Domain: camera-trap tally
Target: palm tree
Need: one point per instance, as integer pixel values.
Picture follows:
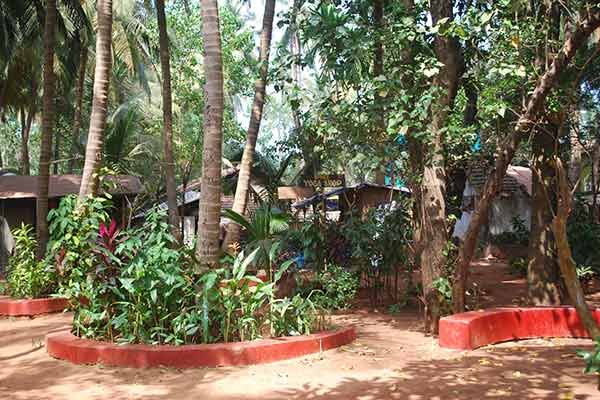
(93, 151)
(243, 183)
(83, 58)
(47, 128)
(209, 213)
(167, 118)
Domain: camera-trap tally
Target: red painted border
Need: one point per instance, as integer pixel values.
(470, 330)
(66, 346)
(31, 307)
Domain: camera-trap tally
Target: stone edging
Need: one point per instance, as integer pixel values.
(66, 346)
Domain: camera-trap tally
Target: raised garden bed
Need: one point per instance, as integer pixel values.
(66, 346)
(470, 330)
(30, 307)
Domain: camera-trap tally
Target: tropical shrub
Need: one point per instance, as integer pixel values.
(297, 316)
(264, 229)
(74, 229)
(138, 286)
(338, 287)
(306, 243)
(28, 277)
(330, 289)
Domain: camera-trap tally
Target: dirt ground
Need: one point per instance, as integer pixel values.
(391, 359)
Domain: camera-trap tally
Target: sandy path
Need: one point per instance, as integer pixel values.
(392, 359)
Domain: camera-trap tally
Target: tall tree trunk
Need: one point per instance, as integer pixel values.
(83, 58)
(165, 64)
(377, 98)
(243, 183)
(432, 198)
(307, 169)
(209, 213)
(565, 259)
(103, 69)
(525, 123)
(26, 121)
(542, 272)
(47, 129)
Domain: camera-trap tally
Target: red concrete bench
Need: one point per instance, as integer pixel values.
(64, 345)
(470, 330)
(30, 307)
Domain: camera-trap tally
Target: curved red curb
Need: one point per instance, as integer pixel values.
(470, 330)
(30, 307)
(66, 346)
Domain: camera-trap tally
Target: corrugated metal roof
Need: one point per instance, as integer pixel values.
(319, 197)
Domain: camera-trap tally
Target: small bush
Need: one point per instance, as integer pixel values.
(27, 277)
(296, 316)
(337, 287)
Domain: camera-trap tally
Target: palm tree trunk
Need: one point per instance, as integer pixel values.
(95, 140)
(167, 119)
(243, 184)
(209, 212)
(83, 58)
(26, 120)
(56, 155)
(47, 129)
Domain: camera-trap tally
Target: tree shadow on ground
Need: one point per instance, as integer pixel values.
(507, 373)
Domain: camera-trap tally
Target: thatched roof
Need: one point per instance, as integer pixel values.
(24, 187)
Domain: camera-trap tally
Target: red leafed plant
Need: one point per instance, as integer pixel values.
(108, 236)
(108, 241)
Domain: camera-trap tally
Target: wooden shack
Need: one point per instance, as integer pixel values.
(18, 194)
(358, 198)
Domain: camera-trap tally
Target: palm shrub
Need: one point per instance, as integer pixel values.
(28, 277)
(264, 229)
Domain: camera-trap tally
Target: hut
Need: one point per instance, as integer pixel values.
(358, 198)
(513, 203)
(18, 194)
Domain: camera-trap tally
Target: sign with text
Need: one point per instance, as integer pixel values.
(322, 181)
